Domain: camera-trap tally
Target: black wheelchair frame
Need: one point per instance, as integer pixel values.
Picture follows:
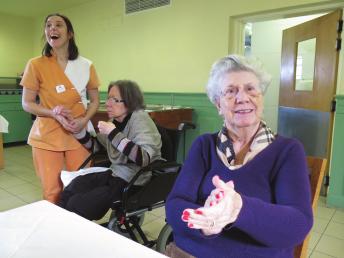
(127, 215)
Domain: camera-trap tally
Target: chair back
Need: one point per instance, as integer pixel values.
(170, 139)
(163, 173)
(155, 191)
(316, 168)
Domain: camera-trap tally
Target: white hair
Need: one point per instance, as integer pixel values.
(234, 63)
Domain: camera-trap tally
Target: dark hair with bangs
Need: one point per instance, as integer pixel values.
(130, 93)
(73, 51)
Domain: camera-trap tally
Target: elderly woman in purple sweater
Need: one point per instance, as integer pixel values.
(244, 191)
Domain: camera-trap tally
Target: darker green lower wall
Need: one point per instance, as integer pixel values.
(205, 115)
(19, 121)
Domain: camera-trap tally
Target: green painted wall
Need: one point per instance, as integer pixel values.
(16, 48)
(168, 49)
(336, 187)
(204, 116)
(340, 78)
(16, 44)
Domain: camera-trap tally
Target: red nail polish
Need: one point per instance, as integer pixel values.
(198, 212)
(186, 213)
(217, 196)
(190, 225)
(184, 217)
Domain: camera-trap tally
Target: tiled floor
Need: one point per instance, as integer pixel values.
(19, 186)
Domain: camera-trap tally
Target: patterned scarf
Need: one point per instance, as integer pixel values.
(225, 150)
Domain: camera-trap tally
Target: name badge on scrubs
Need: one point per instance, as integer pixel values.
(60, 88)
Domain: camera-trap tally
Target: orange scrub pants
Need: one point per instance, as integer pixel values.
(48, 165)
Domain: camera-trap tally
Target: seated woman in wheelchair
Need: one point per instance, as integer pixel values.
(132, 141)
(244, 191)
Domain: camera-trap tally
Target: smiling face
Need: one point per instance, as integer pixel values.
(56, 32)
(115, 106)
(241, 100)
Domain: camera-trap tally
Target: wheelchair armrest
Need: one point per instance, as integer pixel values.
(159, 165)
(89, 158)
(185, 125)
(166, 167)
(101, 151)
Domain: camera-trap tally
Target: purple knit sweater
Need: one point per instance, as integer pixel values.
(276, 214)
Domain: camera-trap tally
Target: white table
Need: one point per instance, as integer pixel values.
(3, 129)
(44, 230)
(1, 152)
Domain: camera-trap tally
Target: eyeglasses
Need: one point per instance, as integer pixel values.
(113, 100)
(232, 91)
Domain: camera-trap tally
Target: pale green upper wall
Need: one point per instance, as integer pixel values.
(340, 79)
(167, 49)
(164, 49)
(16, 44)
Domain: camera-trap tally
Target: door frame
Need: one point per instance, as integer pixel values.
(237, 24)
(237, 37)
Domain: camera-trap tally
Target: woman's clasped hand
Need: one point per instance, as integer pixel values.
(65, 118)
(221, 208)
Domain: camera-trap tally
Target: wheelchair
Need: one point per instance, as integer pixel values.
(127, 215)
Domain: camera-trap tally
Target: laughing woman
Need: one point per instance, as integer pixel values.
(61, 78)
(244, 191)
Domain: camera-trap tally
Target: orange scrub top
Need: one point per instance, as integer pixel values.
(44, 75)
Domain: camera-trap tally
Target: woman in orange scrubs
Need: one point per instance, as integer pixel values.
(61, 78)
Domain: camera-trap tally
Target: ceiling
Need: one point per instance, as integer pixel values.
(34, 8)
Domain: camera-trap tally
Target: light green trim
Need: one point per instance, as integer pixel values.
(335, 200)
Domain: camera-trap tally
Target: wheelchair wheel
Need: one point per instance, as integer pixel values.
(165, 237)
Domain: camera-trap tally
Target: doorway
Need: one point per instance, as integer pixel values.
(271, 56)
(263, 39)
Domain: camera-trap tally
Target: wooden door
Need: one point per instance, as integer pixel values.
(324, 30)
(308, 114)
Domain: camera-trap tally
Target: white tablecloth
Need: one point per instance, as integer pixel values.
(44, 230)
(3, 125)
